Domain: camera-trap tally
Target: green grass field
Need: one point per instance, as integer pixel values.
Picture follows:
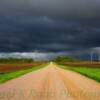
(11, 75)
(93, 73)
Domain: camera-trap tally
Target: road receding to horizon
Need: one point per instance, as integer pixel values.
(50, 83)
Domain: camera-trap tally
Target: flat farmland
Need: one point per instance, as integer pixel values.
(11, 71)
(50, 83)
(18, 66)
(81, 63)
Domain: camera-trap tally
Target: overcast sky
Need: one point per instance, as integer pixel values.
(49, 25)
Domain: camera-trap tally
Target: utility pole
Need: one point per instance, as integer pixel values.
(99, 56)
(91, 57)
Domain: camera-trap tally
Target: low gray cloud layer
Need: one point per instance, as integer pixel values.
(33, 55)
(46, 34)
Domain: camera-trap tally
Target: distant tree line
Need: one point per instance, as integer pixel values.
(16, 60)
(64, 59)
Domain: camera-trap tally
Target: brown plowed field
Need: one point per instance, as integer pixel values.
(19, 66)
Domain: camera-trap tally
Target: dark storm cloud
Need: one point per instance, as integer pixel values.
(52, 8)
(46, 34)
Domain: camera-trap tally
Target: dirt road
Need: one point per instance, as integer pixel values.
(50, 83)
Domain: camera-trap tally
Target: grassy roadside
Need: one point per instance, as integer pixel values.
(93, 73)
(14, 74)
